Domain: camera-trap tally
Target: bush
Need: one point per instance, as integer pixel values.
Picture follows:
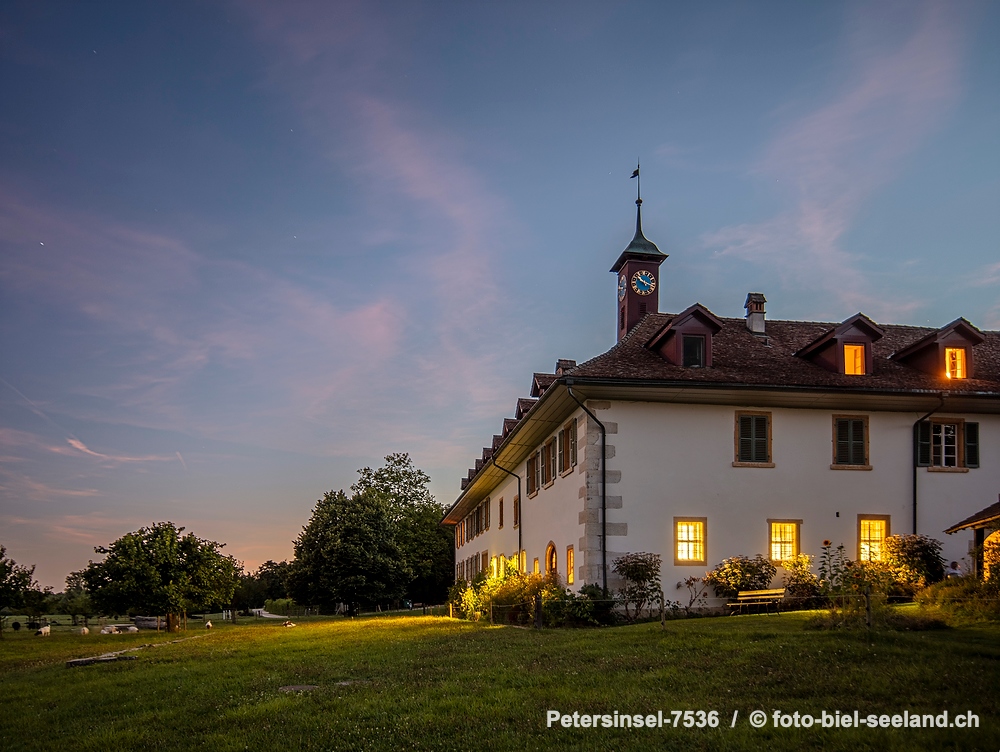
(963, 600)
(509, 598)
(641, 582)
(799, 580)
(915, 561)
(283, 606)
(855, 590)
(741, 573)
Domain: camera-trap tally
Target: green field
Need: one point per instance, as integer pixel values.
(437, 683)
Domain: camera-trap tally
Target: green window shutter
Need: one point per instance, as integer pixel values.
(760, 439)
(572, 443)
(746, 438)
(922, 441)
(857, 442)
(972, 445)
(843, 442)
(753, 439)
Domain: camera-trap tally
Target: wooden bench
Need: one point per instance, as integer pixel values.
(750, 598)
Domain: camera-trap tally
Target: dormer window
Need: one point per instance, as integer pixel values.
(946, 352)
(954, 363)
(847, 348)
(854, 360)
(694, 351)
(687, 339)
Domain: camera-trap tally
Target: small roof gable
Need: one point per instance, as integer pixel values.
(508, 425)
(523, 405)
(698, 312)
(960, 326)
(858, 321)
(540, 382)
(982, 518)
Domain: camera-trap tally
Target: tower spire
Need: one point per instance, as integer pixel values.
(638, 269)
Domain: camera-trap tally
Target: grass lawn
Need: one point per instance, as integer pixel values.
(437, 683)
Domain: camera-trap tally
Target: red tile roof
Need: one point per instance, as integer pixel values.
(740, 357)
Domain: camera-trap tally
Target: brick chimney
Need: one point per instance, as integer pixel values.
(755, 312)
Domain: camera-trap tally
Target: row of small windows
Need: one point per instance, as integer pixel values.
(556, 457)
(477, 521)
(496, 566)
(940, 442)
(691, 539)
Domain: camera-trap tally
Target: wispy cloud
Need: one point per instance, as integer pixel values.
(834, 158)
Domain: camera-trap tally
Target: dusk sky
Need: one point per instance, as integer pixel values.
(247, 248)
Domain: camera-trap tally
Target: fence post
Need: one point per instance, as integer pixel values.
(663, 612)
(451, 610)
(868, 606)
(538, 610)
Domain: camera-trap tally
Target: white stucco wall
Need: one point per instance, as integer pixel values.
(677, 460)
(667, 460)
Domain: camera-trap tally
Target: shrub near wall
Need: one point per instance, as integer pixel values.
(963, 599)
(741, 573)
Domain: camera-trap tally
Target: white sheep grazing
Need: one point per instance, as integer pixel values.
(84, 631)
(132, 629)
(208, 625)
(43, 632)
(110, 629)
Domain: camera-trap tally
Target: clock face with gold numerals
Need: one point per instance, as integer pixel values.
(643, 282)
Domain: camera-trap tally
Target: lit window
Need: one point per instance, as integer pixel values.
(872, 532)
(689, 540)
(535, 566)
(854, 360)
(524, 561)
(954, 362)
(784, 539)
(850, 441)
(694, 350)
(753, 438)
(494, 567)
(551, 561)
(570, 565)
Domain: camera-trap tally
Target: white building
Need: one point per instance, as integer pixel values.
(736, 436)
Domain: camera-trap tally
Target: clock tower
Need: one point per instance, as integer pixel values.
(638, 270)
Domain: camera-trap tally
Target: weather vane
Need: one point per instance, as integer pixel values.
(638, 192)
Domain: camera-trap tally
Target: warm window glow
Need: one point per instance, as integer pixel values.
(783, 540)
(854, 360)
(535, 568)
(551, 560)
(524, 561)
(690, 541)
(871, 539)
(954, 362)
(570, 565)
(494, 567)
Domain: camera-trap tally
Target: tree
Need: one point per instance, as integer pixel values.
(348, 554)
(15, 582)
(75, 600)
(427, 548)
(158, 570)
(267, 583)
